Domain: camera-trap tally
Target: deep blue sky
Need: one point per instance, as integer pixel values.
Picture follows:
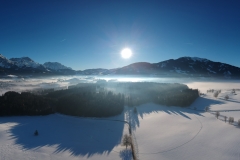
(91, 34)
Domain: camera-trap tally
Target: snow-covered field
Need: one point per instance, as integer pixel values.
(61, 137)
(175, 133)
(203, 86)
(159, 132)
(234, 114)
(170, 133)
(219, 103)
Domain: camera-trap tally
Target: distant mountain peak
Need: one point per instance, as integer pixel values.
(25, 62)
(183, 67)
(5, 63)
(27, 59)
(55, 66)
(1, 56)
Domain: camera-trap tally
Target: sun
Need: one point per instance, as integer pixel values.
(126, 53)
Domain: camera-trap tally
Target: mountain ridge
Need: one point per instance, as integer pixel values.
(55, 66)
(180, 67)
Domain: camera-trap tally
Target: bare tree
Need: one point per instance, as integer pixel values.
(126, 141)
(226, 97)
(217, 114)
(210, 90)
(200, 93)
(230, 120)
(215, 94)
(225, 118)
(206, 109)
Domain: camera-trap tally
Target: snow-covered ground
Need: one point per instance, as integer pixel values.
(61, 137)
(159, 132)
(203, 86)
(174, 133)
(185, 133)
(234, 114)
(219, 103)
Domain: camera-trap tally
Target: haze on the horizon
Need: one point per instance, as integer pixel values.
(91, 34)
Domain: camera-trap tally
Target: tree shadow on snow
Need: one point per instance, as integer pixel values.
(126, 154)
(78, 136)
(200, 104)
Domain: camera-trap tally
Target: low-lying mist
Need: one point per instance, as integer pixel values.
(20, 84)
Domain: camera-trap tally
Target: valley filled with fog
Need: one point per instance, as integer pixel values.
(19, 84)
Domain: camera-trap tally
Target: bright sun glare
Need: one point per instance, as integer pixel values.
(126, 53)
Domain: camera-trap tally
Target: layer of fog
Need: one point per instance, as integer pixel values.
(14, 83)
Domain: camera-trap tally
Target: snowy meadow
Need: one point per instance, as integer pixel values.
(158, 132)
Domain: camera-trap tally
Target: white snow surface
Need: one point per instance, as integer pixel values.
(234, 114)
(217, 85)
(173, 133)
(61, 137)
(12, 76)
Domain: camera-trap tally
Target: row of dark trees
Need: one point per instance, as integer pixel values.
(91, 104)
(87, 101)
(159, 93)
(13, 103)
(176, 98)
(96, 100)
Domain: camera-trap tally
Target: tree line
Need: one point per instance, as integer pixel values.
(96, 99)
(25, 103)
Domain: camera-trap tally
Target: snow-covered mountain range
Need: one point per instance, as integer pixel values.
(26, 62)
(184, 66)
(26, 65)
(181, 67)
(6, 63)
